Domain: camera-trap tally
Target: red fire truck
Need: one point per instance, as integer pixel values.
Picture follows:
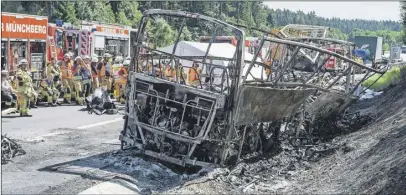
(64, 37)
(23, 37)
(332, 63)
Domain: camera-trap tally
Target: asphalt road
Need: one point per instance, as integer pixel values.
(58, 137)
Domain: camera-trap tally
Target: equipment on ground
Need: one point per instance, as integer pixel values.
(100, 102)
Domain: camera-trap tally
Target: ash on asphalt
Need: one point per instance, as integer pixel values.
(146, 173)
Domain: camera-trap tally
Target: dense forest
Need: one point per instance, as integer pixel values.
(247, 13)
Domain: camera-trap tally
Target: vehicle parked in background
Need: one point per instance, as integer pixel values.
(372, 45)
(24, 37)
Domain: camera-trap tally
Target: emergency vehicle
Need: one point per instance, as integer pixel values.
(99, 38)
(56, 38)
(65, 37)
(23, 36)
(332, 63)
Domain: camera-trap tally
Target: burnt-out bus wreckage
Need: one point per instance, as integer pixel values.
(240, 103)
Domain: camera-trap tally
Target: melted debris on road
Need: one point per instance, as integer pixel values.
(9, 149)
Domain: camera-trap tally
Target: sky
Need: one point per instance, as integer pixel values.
(375, 10)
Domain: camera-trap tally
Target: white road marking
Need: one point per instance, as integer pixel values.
(41, 137)
(101, 123)
(44, 136)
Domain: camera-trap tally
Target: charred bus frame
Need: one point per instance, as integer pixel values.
(200, 125)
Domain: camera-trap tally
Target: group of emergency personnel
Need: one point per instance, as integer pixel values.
(176, 73)
(74, 77)
(80, 76)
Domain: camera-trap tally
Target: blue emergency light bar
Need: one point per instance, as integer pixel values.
(59, 23)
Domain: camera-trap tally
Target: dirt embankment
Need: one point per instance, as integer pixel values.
(376, 162)
(371, 160)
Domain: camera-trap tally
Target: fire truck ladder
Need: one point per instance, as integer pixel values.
(52, 47)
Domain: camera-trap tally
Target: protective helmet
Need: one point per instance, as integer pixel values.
(126, 63)
(4, 72)
(78, 58)
(66, 55)
(118, 59)
(23, 62)
(94, 59)
(107, 55)
(86, 57)
(128, 58)
(95, 56)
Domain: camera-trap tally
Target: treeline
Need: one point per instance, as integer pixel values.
(283, 17)
(253, 13)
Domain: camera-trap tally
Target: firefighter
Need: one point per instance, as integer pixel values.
(95, 80)
(117, 79)
(268, 69)
(78, 69)
(67, 78)
(34, 97)
(141, 66)
(193, 76)
(180, 73)
(53, 74)
(170, 73)
(25, 88)
(104, 72)
(109, 58)
(160, 70)
(122, 81)
(87, 76)
(8, 94)
(151, 69)
(45, 90)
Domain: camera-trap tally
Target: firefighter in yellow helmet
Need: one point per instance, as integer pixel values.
(67, 78)
(78, 69)
(25, 88)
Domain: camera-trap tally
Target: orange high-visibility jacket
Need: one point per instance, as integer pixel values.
(169, 72)
(122, 71)
(268, 70)
(66, 70)
(193, 75)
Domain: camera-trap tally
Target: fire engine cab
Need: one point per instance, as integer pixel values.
(23, 36)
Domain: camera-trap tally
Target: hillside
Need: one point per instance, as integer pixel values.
(370, 160)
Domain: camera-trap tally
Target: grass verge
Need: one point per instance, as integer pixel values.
(391, 77)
